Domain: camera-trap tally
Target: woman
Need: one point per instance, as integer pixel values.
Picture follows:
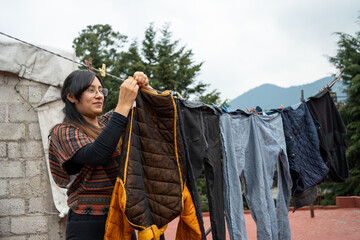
(83, 151)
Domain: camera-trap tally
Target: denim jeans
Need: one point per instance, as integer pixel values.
(307, 168)
(200, 130)
(252, 146)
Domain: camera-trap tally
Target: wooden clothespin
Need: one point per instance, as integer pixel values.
(88, 64)
(103, 70)
(254, 111)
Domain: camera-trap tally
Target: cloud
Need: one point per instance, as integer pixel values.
(242, 43)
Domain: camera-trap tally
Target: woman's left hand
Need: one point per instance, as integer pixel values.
(142, 79)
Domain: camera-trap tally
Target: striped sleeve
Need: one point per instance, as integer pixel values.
(104, 119)
(65, 141)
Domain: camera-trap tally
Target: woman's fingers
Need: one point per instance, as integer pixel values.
(141, 78)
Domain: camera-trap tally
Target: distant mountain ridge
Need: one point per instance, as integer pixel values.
(269, 96)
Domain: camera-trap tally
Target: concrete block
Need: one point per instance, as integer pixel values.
(38, 237)
(35, 94)
(4, 226)
(31, 149)
(14, 238)
(32, 168)
(9, 95)
(4, 188)
(4, 80)
(27, 187)
(4, 113)
(36, 205)
(34, 131)
(29, 224)
(12, 131)
(22, 113)
(13, 150)
(3, 149)
(12, 207)
(11, 169)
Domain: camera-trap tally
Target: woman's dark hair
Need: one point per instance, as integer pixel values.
(76, 83)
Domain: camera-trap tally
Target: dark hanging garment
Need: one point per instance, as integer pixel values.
(200, 130)
(307, 168)
(331, 135)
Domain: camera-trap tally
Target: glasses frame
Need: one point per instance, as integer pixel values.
(93, 91)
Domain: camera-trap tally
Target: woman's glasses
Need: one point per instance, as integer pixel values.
(94, 91)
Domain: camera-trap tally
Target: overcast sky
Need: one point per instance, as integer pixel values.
(243, 44)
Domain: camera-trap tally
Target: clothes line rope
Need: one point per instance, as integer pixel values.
(56, 54)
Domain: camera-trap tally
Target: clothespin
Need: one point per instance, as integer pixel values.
(103, 70)
(225, 108)
(88, 64)
(247, 109)
(254, 111)
(281, 106)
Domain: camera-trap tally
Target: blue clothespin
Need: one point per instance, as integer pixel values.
(225, 108)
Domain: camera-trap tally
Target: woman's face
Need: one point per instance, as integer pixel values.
(91, 101)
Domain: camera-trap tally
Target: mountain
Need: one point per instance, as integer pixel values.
(269, 96)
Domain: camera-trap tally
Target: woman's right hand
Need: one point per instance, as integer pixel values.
(128, 92)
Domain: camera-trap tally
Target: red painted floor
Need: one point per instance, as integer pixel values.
(328, 224)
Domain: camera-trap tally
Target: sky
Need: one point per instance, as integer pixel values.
(242, 43)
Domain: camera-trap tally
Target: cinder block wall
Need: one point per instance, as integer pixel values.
(27, 211)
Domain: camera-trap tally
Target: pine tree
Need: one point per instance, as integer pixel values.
(168, 66)
(348, 57)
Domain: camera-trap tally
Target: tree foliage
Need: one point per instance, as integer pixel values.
(348, 57)
(168, 65)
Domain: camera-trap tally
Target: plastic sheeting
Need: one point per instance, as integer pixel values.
(35, 64)
(49, 115)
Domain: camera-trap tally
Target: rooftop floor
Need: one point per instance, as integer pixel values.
(329, 223)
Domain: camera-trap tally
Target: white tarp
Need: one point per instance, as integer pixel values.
(40, 66)
(49, 115)
(35, 64)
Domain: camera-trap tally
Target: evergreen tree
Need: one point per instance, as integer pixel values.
(348, 57)
(168, 66)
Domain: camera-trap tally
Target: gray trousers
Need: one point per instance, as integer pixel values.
(252, 146)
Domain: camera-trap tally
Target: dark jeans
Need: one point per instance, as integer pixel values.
(331, 135)
(86, 227)
(200, 130)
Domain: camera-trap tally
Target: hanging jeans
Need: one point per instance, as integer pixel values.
(199, 125)
(331, 135)
(252, 146)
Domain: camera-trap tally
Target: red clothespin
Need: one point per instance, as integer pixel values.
(88, 64)
(247, 109)
(281, 106)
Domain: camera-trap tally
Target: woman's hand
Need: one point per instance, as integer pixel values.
(141, 78)
(128, 92)
(143, 81)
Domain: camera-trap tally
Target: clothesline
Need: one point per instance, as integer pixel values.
(337, 78)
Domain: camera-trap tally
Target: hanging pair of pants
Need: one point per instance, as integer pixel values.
(199, 125)
(86, 227)
(252, 146)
